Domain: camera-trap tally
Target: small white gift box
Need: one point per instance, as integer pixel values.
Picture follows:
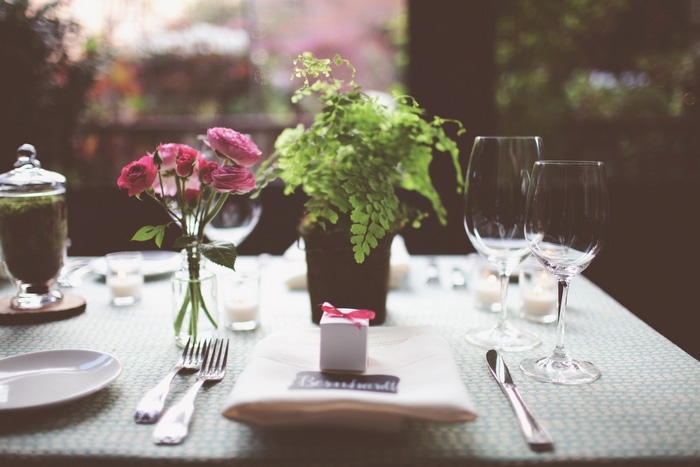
(344, 344)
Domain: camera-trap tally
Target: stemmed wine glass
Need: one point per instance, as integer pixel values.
(236, 220)
(495, 191)
(566, 226)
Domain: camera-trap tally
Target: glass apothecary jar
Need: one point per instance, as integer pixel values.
(33, 230)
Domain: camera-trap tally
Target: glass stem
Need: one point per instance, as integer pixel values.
(563, 289)
(505, 279)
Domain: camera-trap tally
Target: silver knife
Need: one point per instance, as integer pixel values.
(534, 433)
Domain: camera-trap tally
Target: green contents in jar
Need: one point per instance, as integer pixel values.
(33, 231)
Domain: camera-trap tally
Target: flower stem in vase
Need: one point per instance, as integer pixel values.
(194, 292)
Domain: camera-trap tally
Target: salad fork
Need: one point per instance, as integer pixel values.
(174, 426)
(152, 403)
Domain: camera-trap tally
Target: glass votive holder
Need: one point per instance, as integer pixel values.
(538, 293)
(240, 300)
(485, 286)
(124, 277)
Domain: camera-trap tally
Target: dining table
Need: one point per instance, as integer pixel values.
(644, 409)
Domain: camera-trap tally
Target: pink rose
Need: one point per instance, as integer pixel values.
(237, 147)
(185, 160)
(205, 169)
(138, 175)
(231, 178)
(168, 152)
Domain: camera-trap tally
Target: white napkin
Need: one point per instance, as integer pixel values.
(398, 267)
(429, 387)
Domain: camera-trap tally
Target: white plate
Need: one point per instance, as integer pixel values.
(50, 377)
(155, 263)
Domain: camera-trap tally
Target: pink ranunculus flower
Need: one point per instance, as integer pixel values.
(232, 179)
(205, 168)
(235, 146)
(168, 152)
(185, 160)
(138, 175)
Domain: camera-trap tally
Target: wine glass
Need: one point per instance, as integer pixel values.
(495, 192)
(238, 217)
(566, 226)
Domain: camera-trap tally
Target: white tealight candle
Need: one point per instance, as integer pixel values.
(487, 291)
(124, 284)
(241, 309)
(539, 301)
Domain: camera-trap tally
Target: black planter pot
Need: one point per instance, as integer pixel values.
(334, 276)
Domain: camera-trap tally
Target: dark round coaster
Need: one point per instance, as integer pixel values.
(71, 305)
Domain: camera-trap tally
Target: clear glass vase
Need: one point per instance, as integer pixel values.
(194, 299)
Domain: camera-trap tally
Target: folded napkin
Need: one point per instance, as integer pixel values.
(411, 375)
(398, 267)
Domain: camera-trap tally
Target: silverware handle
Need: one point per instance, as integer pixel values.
(174, 426)
(151, 405)
(534, 433)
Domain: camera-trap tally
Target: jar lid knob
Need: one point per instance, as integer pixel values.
(26, 154)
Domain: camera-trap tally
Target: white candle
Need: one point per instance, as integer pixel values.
(241, 309)
(488, 291)
(124, 284)
(539, 301)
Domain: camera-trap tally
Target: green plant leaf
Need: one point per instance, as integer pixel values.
(357, 239)
(148, 232)
(358, 229)
(371, 240)
(221, 253)
(359, 255)
(376, 230)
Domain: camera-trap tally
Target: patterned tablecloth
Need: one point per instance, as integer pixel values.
(646, 406)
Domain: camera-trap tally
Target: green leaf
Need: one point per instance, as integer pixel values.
(372, 240)
(358, 229)
(359, 217)
(376, 230)
(357, 239)
(359, 257)
(330, 214)
(159, 238)
(148, 232)
(221, 253)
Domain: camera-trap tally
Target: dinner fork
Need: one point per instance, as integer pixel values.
(174, 426)
(152, 403)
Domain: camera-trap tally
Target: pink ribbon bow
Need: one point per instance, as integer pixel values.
(351, 316)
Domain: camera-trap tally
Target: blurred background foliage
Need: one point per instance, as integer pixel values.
(43, 87)
(615, 80)
(593, 59)
(560, 65)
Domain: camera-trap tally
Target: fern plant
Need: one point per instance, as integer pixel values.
(350, 160)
